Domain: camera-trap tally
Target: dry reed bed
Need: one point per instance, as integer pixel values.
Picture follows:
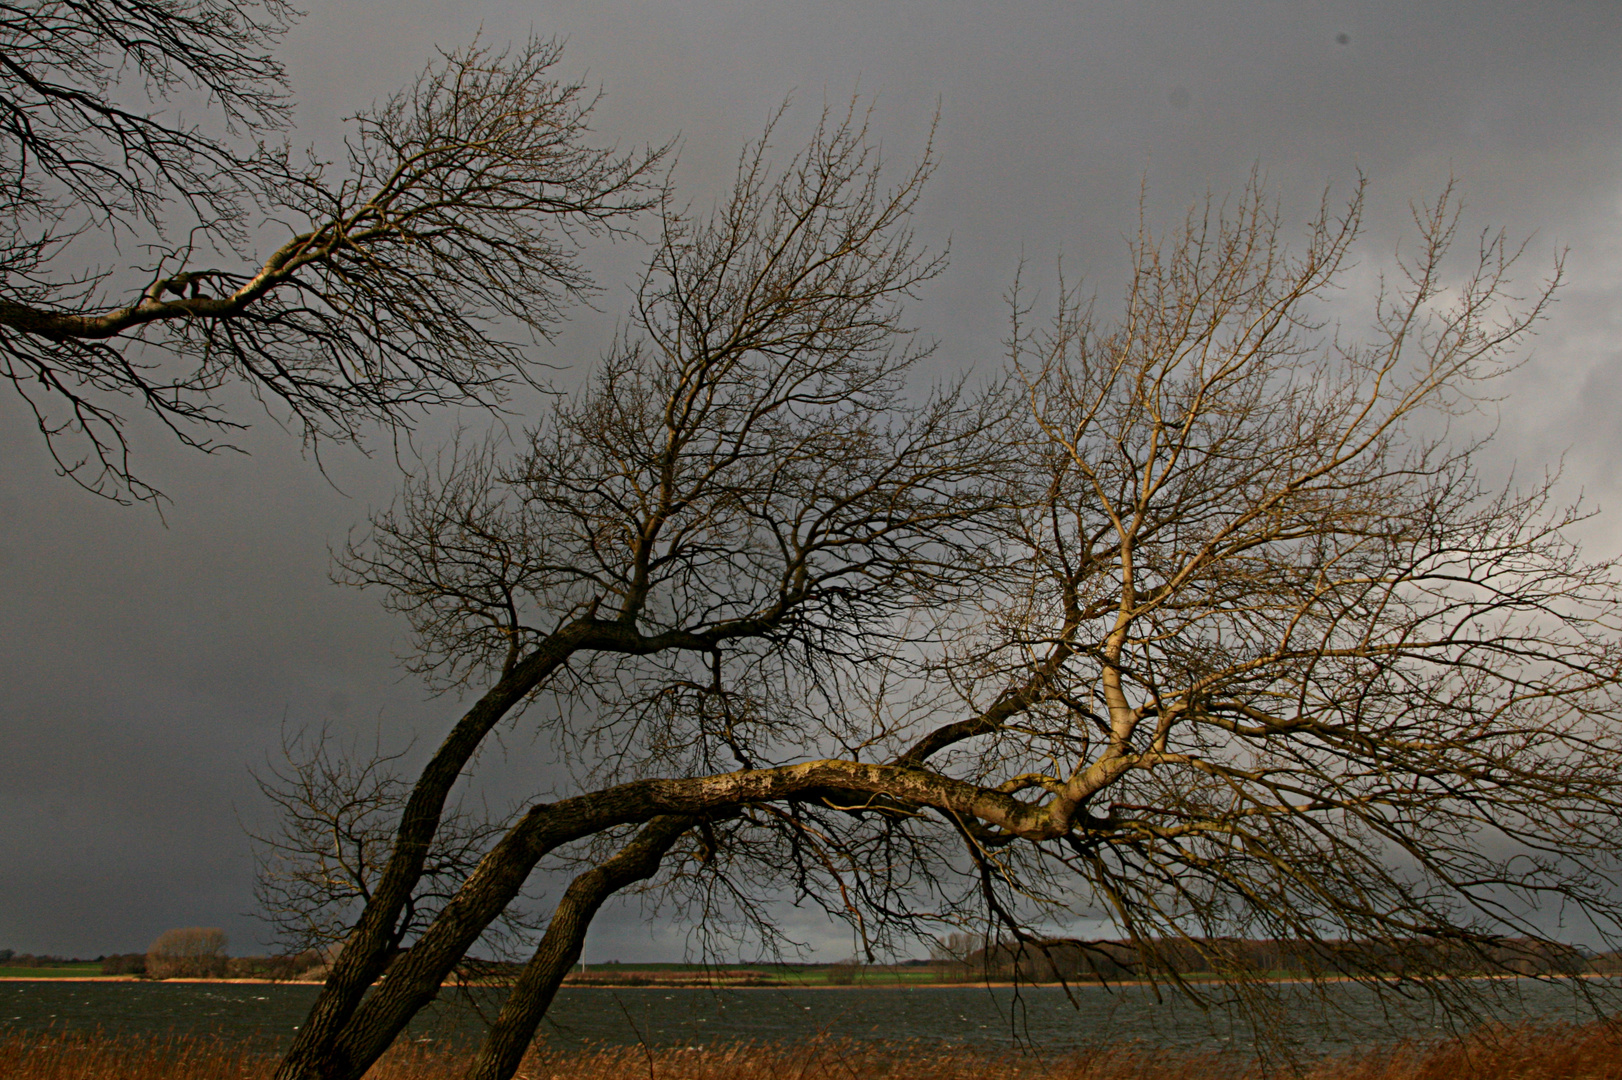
(1527, 1052)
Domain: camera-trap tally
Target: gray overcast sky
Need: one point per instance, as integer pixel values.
(147, 667)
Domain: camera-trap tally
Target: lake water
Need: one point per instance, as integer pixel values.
(1042, 1016)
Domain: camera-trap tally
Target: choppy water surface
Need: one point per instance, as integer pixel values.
(1040, 1016)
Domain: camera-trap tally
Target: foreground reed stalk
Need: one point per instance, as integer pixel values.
(1524, 1052)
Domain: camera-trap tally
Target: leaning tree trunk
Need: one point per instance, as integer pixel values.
(559, 948)
(369, 947)
(338, 1031)
(415, 979)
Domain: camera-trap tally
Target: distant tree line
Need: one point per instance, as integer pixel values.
(10, 958)
(1073, 960)
(957, 957)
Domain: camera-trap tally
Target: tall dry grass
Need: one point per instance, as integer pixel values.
(1527, 1052)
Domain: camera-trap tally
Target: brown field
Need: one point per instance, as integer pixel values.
(1557, 1052)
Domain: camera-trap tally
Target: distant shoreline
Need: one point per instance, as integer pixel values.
(137, 979)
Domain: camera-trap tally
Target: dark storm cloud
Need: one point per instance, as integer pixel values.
(146, 667)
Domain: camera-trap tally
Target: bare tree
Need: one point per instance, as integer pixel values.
(1206, 625)
(744, 476)
(192, 953)
(341, 295)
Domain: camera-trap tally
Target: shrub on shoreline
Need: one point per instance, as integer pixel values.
(194, 952)
(124, 964)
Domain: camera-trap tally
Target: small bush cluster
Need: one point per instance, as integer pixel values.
(305, 965)
(124, 964)
(843, 974)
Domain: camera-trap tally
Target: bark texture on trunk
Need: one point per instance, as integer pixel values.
(559, 948)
